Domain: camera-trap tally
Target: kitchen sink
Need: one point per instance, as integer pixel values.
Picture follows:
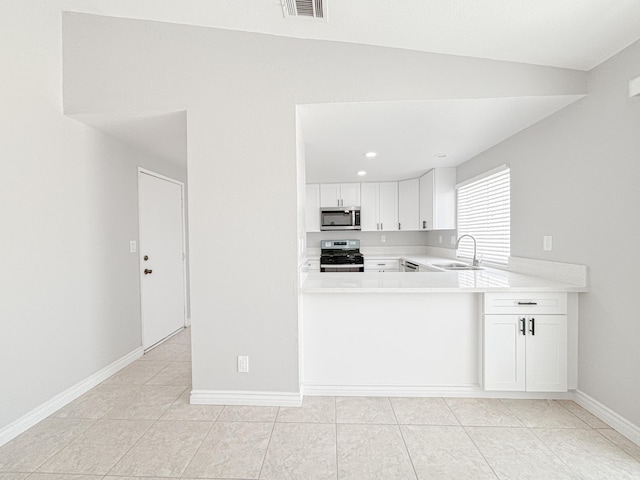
(456, 266)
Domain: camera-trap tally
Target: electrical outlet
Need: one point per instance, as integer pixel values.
(439, 238)
(383, 238)
(547, 243)
(243, 364)
(133, 248)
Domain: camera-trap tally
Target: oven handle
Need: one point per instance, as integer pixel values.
(342, 265)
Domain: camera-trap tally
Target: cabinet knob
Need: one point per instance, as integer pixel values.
(148, 271)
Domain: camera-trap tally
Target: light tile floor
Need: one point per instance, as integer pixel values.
(139, 424)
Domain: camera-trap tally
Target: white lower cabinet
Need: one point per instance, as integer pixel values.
(524, 350)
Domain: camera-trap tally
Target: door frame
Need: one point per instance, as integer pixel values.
(144, 171)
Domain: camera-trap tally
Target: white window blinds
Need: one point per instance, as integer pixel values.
(484, 211)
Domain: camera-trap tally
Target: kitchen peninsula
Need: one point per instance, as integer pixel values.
(476, 333)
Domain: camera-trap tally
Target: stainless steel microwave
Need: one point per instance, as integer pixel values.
(340, 218)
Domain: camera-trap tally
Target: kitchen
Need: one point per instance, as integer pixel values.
(442, 330)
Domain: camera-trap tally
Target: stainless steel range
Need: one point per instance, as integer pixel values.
(341, 256)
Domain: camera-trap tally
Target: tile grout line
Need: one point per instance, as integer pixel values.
(533, 432)
(199, 446)
(155, 422)
(266, 451)
(335, 411)
(145, 432)
(464, 429)
(404, 441)
(60, 449)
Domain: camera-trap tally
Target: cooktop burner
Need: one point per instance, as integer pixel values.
(341, 252)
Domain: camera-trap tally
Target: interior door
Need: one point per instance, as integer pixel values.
(162, 273)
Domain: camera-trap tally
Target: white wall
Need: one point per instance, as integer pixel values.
(68, 209)
(241, 92)
(576, 176)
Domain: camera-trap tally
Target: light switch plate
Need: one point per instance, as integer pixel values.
(547, 243)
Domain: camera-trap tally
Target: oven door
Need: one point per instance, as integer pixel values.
(344, 267)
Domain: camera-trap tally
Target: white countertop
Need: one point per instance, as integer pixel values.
(487, 280)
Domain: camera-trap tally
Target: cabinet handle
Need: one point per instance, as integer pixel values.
(527, 303)
(522, 326)
(399, 226)
(532, 323)
(424, 224)
(381, 226)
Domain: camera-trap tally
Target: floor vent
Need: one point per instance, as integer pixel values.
(313, 9)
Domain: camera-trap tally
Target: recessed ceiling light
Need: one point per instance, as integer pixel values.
(441, 155)
(362, 173)
(370, 154)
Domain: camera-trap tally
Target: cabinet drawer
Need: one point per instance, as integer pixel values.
(381, 264)
(525, 303)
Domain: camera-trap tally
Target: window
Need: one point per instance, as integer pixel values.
(484, 211)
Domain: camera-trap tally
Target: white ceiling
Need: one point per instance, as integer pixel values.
(162, 134)
(407, 135)
(577, 34)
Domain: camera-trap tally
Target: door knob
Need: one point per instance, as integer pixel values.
(147, 271)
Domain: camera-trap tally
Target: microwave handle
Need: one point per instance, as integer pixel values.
(353, 217)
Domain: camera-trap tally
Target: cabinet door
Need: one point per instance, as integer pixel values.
(546, 353)
(426, 201)
(329, 195)
(504, 353)
(388, 206)
(312, 206)
(350, 194)
(409, 204)
(369, 208)
(444, 199)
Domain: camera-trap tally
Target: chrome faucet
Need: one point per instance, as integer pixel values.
(475, 262)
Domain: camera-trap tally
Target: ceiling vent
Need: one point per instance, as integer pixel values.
(313, 9)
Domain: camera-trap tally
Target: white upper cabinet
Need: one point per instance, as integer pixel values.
(438, 199)
(379, 210)
(350, 194)
(409, 204)
(388, 206)
(340, 195)
(313, 207)
(369, 207)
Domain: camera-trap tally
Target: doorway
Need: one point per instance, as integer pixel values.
(162, 256)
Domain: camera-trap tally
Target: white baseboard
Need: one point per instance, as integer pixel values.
(233, 397)
(50, 406)
(616, 421)
(454, 391)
